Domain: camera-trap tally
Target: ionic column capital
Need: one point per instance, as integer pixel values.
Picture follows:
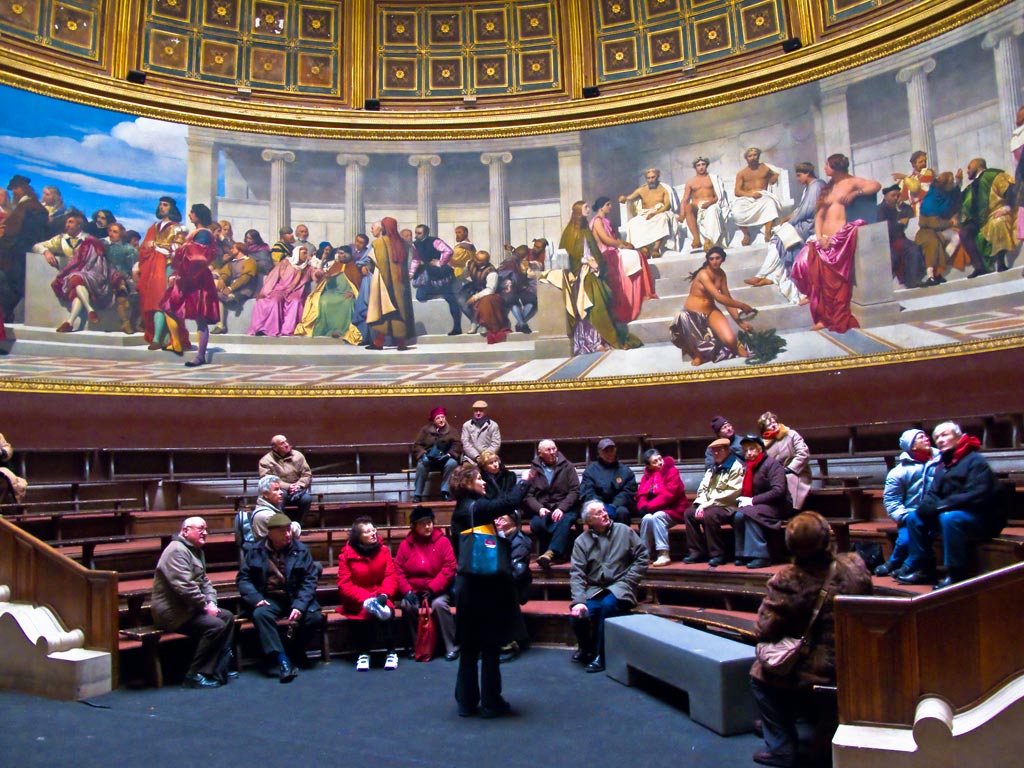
(418, 161)
(489, 158)
(347, 160)
(908, 73)
(271, 155)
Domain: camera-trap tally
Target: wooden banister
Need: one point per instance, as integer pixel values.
(38, 574)
(961, 643)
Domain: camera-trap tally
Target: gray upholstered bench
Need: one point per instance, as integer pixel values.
(714, 671)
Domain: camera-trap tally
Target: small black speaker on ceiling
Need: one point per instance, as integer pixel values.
(372, 105)
(793, 44)
(591, 92)
(137, 77)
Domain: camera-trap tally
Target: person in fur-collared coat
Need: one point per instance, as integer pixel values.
(785, 612)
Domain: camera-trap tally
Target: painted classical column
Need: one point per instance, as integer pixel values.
(426, 205)
(498, 202)
(570, 179)
(922, 134)
(1003, 44)
(201, 176)
(355, 212)
(835, 125)
(278, 214)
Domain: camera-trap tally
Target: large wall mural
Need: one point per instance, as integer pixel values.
(864, 217)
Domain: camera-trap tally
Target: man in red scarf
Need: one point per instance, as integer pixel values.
(961, 501)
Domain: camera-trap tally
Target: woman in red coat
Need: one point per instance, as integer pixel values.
(425, 563)
(661, 499)
(366, 582)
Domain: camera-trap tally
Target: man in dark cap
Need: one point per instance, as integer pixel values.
(23, 227)
(722, 427)
(278, 580)
(481, 433)
(611, 482)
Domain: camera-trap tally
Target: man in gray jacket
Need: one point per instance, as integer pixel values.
(184, 601)
(608, 562)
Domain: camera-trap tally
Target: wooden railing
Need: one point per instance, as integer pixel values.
(38, 574)
(961, 644)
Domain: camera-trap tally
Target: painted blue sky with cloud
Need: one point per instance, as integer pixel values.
(96, 157)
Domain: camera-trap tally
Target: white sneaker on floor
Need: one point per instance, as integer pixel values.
(363, 662)
(662, 561)
(391, 662)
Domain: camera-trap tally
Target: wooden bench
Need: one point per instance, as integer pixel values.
(714, 671)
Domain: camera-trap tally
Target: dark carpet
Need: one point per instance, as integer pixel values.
(333, 716)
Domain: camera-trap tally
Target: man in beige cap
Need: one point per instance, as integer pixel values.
(479, 434)
(715, 505)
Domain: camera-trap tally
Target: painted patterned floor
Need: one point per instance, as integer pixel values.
(655, 358)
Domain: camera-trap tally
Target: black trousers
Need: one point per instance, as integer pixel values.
(265, 619)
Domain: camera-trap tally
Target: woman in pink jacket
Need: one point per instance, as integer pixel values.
(425, 565)
(661, 499)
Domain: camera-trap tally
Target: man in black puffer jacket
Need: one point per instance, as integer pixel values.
(962, 501)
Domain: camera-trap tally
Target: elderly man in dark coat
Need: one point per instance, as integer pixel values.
(278, 580)
(185, 601)
(610, 481)
(551, 502)
(437, 448)
(764, 504)
(961, 501)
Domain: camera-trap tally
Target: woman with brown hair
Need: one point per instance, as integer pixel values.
(485, 605)
(787, 611)
(787, 447)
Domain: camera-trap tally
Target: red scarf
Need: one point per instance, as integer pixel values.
(968, 444)
(748, 478)
(921, 455)
(776, 434)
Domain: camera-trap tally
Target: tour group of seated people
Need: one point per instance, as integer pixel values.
(948, 489)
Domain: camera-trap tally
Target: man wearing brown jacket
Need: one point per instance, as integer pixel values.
(184, 601)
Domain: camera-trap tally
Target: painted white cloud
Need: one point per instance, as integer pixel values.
(143, 151)
(94, 184)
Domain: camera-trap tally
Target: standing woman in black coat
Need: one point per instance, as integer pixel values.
(764, 504)
(485, 605)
